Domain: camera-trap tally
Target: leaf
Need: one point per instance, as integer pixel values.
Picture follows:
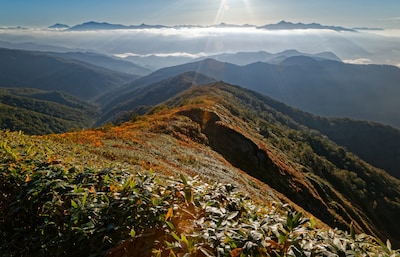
(184, 181)
(206, 252)
(352, 231)
(132, 233)
(84, 199)
(171, 253)
(184, 239)
(232, 215)
(174, 235)
(236, 252)
(74, 204)
(170, 225)
(169, 214)
(388, 245)
(188, 196)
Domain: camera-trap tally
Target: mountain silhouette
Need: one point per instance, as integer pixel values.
(284, 25)
(93, 25)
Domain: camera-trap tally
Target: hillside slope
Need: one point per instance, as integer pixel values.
(43, 112)
(308, 168)
(106, 62)
(375, 143)
(321, 87)
(28, 69)
(219, 133)
(139, 99)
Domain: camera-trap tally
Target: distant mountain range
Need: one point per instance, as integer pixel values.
(282, 25)
(92, 25)
(239, 58)
(245, 58)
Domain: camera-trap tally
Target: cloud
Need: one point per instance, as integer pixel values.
(175, 54)
(193, 42)
(358, 61)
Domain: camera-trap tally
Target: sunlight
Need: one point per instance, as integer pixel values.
(223, 7)
(235, 8)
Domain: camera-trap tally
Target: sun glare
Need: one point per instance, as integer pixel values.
(223, 8)
(233, 10)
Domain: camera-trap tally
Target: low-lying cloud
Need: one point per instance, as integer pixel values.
(175, 54)
(359, 61)
(191, 42)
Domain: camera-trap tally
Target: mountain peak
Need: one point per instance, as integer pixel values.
(59, 26)
(285, 25)
(94, 25)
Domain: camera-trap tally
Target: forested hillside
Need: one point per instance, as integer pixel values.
(43, 112)
(29, 69)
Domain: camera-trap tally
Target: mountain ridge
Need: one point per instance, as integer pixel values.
(93, 25)
(322, 87)
(357, 136)
(284, 25)
(45, 71)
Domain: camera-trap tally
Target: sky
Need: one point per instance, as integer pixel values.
(348, 13)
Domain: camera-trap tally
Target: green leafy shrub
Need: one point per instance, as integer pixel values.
(48, 209)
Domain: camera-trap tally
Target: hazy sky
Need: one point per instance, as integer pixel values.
(349, 13)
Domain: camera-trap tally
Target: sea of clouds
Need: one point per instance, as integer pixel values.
(380, 47)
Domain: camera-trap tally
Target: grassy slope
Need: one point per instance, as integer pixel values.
(61, 199)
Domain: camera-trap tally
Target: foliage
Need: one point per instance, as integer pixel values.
(56, 207)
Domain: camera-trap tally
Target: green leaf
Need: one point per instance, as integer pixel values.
(183, 178)
(170, 225)
(84, 199)
(132, 233)
(174, 235)
(74, 204)
(184, 239)
(106, 178)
